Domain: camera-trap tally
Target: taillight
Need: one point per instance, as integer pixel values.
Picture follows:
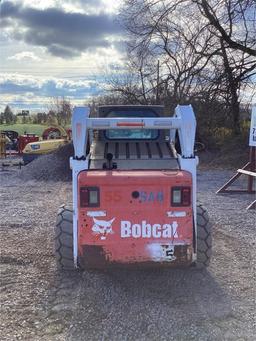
(181, 196)
(89, 197)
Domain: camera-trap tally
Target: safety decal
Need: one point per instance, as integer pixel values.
(96, 214)
(177, 214)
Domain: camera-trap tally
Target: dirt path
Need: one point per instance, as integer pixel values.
(38, 303)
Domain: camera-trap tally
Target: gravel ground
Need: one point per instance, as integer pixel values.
(38, 303)
(50, 167)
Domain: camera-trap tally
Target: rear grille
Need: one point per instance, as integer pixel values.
(132, 150)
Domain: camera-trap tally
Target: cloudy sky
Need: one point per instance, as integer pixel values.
(55, 48)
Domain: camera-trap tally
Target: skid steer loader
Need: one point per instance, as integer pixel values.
(134, 196)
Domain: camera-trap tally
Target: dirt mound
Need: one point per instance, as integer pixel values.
(50, 167)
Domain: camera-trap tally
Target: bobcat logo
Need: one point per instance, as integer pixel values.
(102, 227)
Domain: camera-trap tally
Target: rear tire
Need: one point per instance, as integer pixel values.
(204, 238)
(64, 239)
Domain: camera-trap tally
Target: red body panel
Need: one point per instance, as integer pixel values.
(143, 230)
(25, 139)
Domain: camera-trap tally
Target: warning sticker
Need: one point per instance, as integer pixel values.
(252, 137)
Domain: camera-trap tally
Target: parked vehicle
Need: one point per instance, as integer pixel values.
(53, 138)
(134, 196)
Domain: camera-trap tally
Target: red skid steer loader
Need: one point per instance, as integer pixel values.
(134, 196)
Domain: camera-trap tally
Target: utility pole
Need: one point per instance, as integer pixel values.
(157, 82)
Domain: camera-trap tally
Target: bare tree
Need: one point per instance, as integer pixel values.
(194, 56)
(162, 46)
(62, 109)
(234, 21)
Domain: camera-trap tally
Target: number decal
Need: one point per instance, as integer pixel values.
(112, 196)
(169, 252)
(152, 196)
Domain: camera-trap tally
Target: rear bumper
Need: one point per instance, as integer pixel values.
(162, 255)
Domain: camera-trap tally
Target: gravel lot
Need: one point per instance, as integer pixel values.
(38, 303)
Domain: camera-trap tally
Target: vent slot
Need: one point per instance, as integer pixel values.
(148, 150)
(159, 150)
(127, 150)
(138, 150)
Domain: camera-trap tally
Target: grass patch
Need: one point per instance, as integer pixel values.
(232, 153)
(28, 128)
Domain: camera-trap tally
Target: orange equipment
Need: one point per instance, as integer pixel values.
(134, 196)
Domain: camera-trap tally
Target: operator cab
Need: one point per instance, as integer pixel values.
(136, 148)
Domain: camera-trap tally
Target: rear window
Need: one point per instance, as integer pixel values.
(132, 134)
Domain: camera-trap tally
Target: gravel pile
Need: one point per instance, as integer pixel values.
(50, 167)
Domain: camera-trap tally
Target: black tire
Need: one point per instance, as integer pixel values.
(204, 238)
(64, 239)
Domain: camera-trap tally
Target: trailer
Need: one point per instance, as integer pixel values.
(134, 195)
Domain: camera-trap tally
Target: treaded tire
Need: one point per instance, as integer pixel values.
(204, 238)
(64, 239)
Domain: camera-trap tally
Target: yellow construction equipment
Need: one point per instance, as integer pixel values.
(53, 138)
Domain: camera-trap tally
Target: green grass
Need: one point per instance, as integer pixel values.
(28, 128)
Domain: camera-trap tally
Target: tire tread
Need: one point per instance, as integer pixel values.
(63, 239)
(204, 238)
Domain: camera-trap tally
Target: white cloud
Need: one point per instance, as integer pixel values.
(39, 82)
(111, 6)
(30, 75)
(24, 55)
(63, 33)
(78, 6)
(28, 91)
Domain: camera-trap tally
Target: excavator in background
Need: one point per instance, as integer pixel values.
(52, 138)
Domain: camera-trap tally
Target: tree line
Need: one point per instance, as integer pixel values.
(59, 112)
